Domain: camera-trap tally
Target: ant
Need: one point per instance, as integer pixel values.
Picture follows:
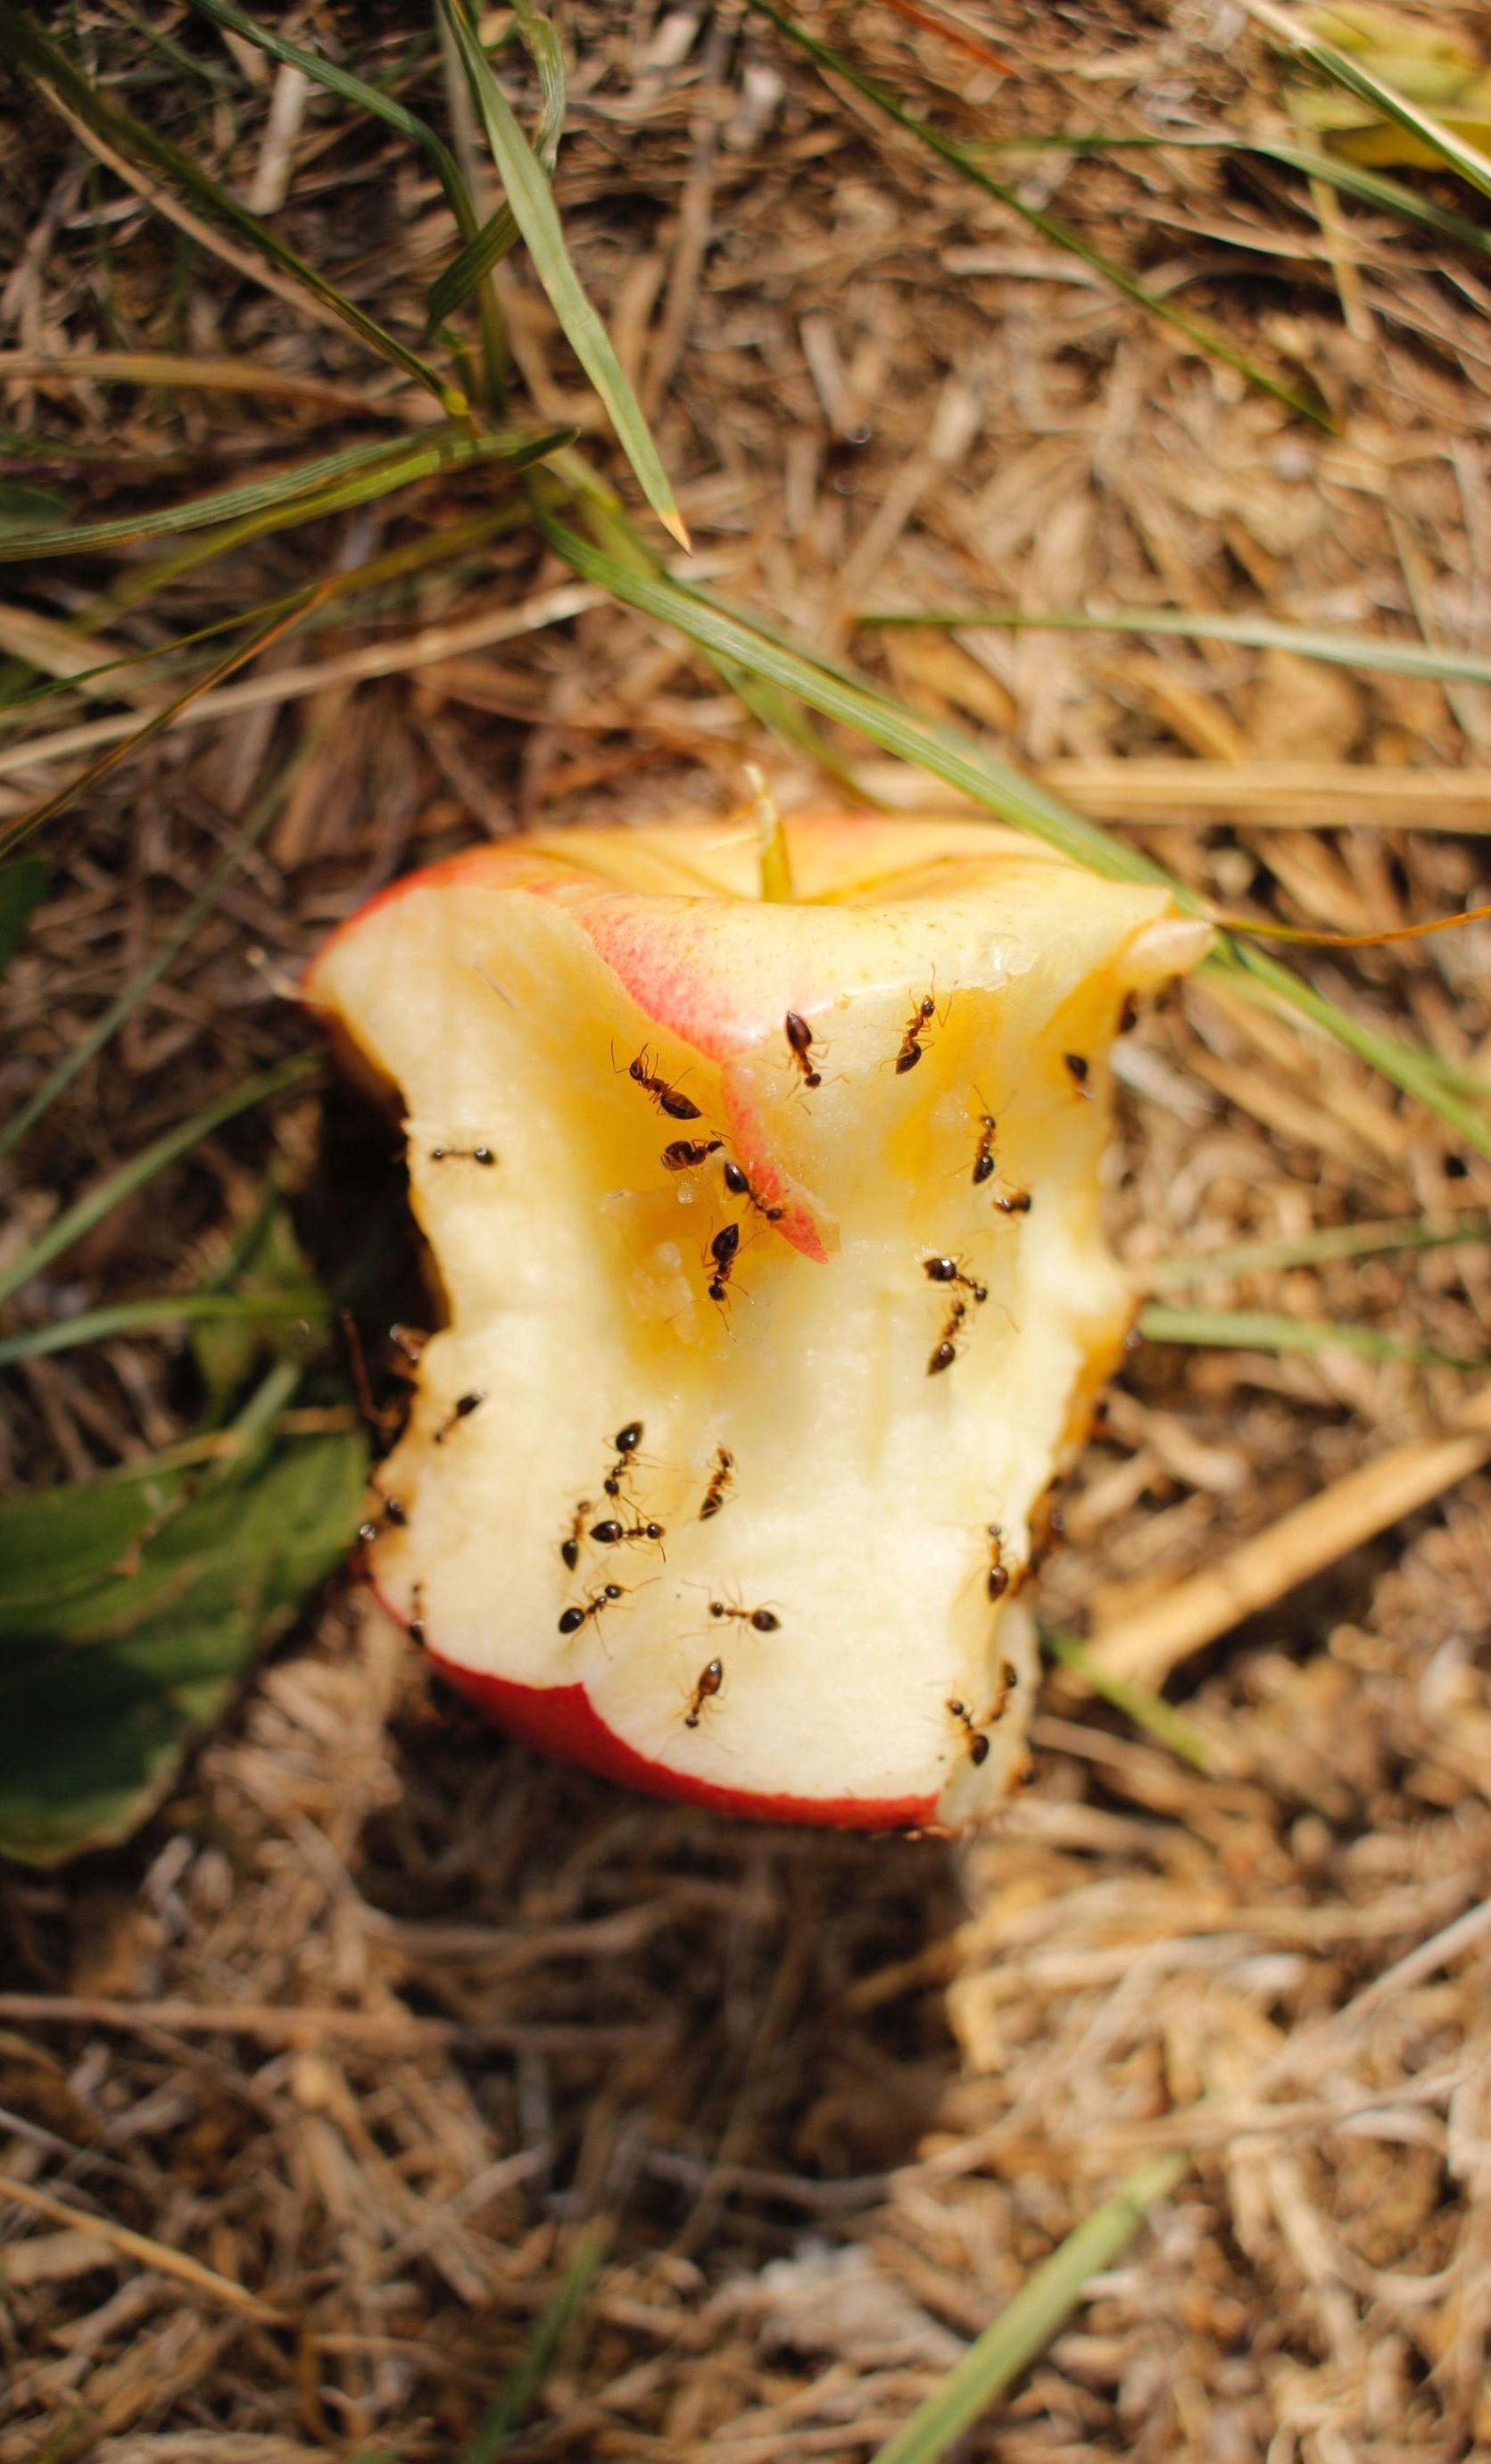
(799, 1045)
(668, 1099)
(569, 1545)
(722, 1249)
(738, 1186)
(720, 1478)
(414, 1622)
(978, 1742)
(626, 1442)
(949, 1270)
(1079, 1070)
(685, 1153)
(1018, 1202)
(996, 1581)
(465, 1405)
(393, 1511)
(764, 1620)
(611, 1532)
(923, 1012)
(711, 1677)
(482, 1154)
(574, 1619)
(945, 1351)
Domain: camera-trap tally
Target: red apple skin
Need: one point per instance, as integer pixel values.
(561, 1722)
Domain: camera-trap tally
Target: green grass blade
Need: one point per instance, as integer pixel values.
(79, 1053)
(54, 76)
(1205, 339)
(172, 1309)
(1335, 1240)
(1270, 1330)
(1252, 632)
(221, 504)
(1037, 2311)
(35, 816)
(1374, 189)
(328, 484)
(1149, 1711)
(354, 90)
(950, 757)
(533, 209)
(22, 888)
(498, 235)
(1261, 977)
(110, 1191)
(960, 764)
(537, 2358)
(1385, 100)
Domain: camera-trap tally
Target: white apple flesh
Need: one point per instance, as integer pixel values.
(774, 1289)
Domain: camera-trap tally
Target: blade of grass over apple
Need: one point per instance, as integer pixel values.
(96, 1203)
(1271, 1330)
(1215, 345)
(1374, 91)
(1151, 1713)
(150, 1316)
(528, 192)
(1320, 1248)
(499, 233)
(960, 764)
(1037, 2313)
(95, 116)
(1400, 659)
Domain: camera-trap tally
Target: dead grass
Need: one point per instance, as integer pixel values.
(380, 2014)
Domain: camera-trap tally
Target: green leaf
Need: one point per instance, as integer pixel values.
(22, 888)
(960, 764)
(1204, 336)
(104, 1685)
(499, 234)
(26, 48)
(533, 209)
(1037, 2312)
(1253, 633)
(95, 1203)
(1272, 1330)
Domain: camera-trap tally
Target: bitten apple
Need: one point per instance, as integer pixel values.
(774, 1287)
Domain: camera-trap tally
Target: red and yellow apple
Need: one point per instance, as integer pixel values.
(774, 1287)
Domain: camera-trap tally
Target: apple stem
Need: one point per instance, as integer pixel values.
(775, 860)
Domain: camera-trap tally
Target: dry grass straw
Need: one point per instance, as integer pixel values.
(380, 2015)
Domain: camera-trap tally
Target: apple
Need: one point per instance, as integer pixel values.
(772, 1284)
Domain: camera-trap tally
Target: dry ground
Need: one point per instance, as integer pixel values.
(831, 2100)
